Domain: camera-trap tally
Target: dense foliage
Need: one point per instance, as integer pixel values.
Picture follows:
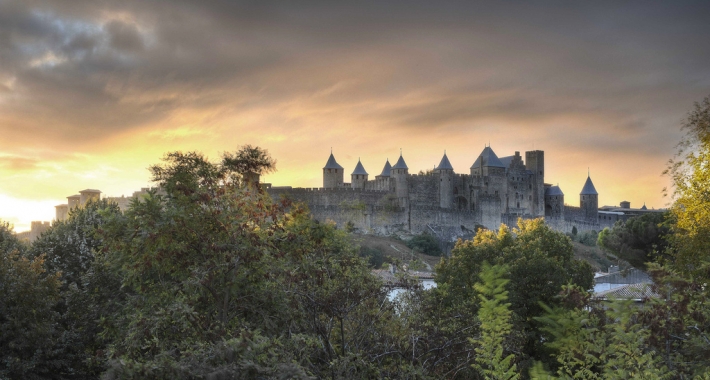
(426, 244)
(208, 278)
(639, 240)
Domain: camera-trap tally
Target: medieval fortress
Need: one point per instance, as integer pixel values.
(442, 202)
(449, 204)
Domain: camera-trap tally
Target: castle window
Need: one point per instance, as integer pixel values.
(530, 186)
(328, 170)
(496, 192)
(530, 197)
(518, 204)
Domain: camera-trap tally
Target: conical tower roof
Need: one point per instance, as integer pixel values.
(554, 190)
(445, 164)
(400, 163)
(644, 206)
(588, 188)
(332, 164)
(487, 158)
(386, 169)
(359, 169)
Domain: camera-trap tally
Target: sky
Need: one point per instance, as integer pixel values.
(93, 92)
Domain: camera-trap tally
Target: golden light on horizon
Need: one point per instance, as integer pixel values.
(91, 95)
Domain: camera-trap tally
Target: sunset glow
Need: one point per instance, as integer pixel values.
(91, 94)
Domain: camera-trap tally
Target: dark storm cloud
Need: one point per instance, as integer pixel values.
(75, 71)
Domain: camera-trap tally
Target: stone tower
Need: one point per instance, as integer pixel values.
(332, 174)
(446, 179)
(399, 173)
(359, 176)
(535, 162)
(589, 201)
(554, 202)
(382, 181)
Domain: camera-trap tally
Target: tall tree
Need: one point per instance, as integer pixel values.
(639, 240)
(494, 316)
(690, 175)
(89, 294)
(27, 298)
(540, 262)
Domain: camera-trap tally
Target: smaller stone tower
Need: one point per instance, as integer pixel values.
(589, 201)
(62, 212)
(73, 201)
(554, 202)
(399, 173)
(382, 181)
(446, 179)
(332, 174)
(359, 176)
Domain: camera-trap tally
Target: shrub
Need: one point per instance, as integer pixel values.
(426, 244)
(374, 256)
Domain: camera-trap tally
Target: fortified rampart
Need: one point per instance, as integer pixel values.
(440, 201)
(497, 190)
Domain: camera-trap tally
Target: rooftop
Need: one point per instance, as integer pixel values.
(487, 158)
(445, 164)
(400, 163)
(332, 164)
(588, 188)
(359, 169)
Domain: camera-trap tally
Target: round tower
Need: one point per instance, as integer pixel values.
(554, 202)
(382, 181)
(399, 173)
(446, 183)
(332, 174)
(358, 177)
(589, 200)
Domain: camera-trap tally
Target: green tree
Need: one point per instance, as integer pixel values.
(27, 298)
(591, 341)
(690, 175)
(541, 261)
(215, 268)
(90, 293)
(494, 315)
(426, 244)
(638, 240)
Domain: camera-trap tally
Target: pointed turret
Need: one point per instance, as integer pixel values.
(386, 170)
(332, 164)
(400, 163)
(359, 169)
(644, 206)
(382, 181)
(399, 174)
(588, 188)
(332, 173)
(359, 176)
(446, 182)
(445, 164)
(589, 200)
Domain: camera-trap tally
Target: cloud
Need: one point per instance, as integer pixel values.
(15, 164)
